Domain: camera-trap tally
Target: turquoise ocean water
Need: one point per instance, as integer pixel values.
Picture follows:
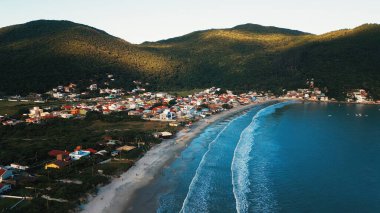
(284, 157)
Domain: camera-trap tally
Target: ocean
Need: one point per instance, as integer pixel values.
(282, 157)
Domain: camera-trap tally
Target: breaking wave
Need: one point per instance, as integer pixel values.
(201, 193)
(241, 158)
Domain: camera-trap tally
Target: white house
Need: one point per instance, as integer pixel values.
(360, 95)
(160, 94)
(58, 95)
(114, 107)
(167, 115)
(35, 112)
(93, 87)
(66, 115)
(132, 106)
(5, 174)
(79, 154)
(17, 166)
(324, 98)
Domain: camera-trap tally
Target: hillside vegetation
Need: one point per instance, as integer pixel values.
(42, 54)
(39, 55)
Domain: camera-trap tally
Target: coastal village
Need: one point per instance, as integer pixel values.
(158, 106)
(175, 112)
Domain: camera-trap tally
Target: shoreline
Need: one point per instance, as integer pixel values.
(329, 101)
(115, 196)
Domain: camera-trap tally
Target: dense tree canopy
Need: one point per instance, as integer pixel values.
(39, 55)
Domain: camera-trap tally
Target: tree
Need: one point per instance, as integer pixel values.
(227, 106)
(172, 102)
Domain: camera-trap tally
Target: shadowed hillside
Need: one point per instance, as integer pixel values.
(39, 55)
(42, 54)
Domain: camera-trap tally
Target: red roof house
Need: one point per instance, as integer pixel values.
(5, 174)
(93, 151)
(54, 153)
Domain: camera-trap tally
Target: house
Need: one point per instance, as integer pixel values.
(58, 164)
(83, 112)
(12, 122)
(112, 142)
(19, 167)
(62, 161)
(164, 135)
(91, 150)
(74, 111)
(324, 98)
(360, 95)
(5, 174)
(58, 95)
(167, 115)
(115, 153)
(173, 124)
(32, 120)
(161, 94)
(134, 113)
(78, 154)
(35, 112)
(66, 115)
(55, 153)
(126, 148)
(4, 188)
(93, 87)
(101, 152)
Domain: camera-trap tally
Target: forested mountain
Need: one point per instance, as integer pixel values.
(41, 54)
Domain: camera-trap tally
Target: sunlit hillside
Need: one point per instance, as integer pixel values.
(41, 54)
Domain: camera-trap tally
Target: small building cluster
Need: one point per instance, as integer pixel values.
(64, 158)
(12, 174)
(110, 148)
(358, 96)
(311, 94)
(159, 106)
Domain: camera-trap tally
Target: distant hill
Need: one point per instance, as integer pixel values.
(255, 28)
(41, 54)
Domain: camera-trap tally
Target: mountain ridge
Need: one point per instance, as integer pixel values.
(247, 56)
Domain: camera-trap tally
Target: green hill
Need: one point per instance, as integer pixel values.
(41, 54)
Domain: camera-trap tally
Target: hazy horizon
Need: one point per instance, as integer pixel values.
(147, 20)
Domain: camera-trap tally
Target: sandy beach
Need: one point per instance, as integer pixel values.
(114, 196)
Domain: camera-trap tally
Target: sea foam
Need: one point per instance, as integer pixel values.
(201, 193)
(240, 161)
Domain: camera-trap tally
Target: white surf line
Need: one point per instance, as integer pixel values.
(196, 176)
(239, 166)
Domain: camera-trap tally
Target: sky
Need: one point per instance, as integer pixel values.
(150, 20)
